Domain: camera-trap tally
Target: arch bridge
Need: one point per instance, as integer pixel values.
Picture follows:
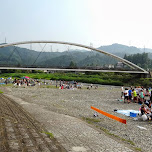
(136, 68)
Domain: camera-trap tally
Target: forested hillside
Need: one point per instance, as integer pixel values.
(141, 60)
(17, 56)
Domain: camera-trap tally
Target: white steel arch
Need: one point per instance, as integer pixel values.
(130, 64)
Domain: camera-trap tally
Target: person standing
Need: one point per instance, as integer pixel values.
(142, 96)
(126, 95)
(151, 96)
(122, 92)
(134, 95)
(130, 94)
(147, 95)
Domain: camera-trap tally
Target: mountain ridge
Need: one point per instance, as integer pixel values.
(22, 56)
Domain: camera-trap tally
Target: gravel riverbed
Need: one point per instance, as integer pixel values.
(76, 104)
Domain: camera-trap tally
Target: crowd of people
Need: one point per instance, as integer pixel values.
(61, 84)
(136, 94)
(24, 82)
(74, 85)
(140, 95)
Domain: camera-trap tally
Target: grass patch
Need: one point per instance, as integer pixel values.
(9, 85)
(111, 134)
(34, 96)
(139, 149)
(1, 91)
(91, 120)
(49, 134)
(120, 138)
(128, 141)
(48, 86)
(111, 78)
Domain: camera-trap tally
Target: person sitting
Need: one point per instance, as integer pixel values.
(149, 107)
(145, 113)
(62, 87)
(88, 87)
(146, 102)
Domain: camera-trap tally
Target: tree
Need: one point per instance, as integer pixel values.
(72, 65)
(141, 60)
(125, 56)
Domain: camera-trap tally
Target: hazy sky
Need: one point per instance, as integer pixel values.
(101, 22)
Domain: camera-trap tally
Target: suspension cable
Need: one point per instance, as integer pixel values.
(19, 54)
(46, 57)
(11, 54)
(39, 54)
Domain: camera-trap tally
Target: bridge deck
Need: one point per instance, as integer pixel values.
(78, 70)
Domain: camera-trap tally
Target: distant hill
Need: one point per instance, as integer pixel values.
(146, 50)
(22, 56)
(120, 50)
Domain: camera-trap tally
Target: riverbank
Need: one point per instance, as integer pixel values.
(76, 104)
(117, 79)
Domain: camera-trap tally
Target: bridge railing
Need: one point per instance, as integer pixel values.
(66, 67)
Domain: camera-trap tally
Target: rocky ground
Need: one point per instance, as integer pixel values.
(19, 132)
(67, 114)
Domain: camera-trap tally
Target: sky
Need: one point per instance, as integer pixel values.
(88, 22)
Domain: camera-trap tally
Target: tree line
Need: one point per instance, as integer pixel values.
(141, 60)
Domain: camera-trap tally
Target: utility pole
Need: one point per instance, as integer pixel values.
(91, 45)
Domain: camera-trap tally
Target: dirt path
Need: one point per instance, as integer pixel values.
(20, 132)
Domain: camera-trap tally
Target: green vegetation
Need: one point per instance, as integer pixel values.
(48, 86)
(90, 120)
(49, 134)
(1, 91)
(141, 60)
(116, 79)
(128, 141)
(138, 149)
(72, 65)
(111, 134)
(19, 56)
